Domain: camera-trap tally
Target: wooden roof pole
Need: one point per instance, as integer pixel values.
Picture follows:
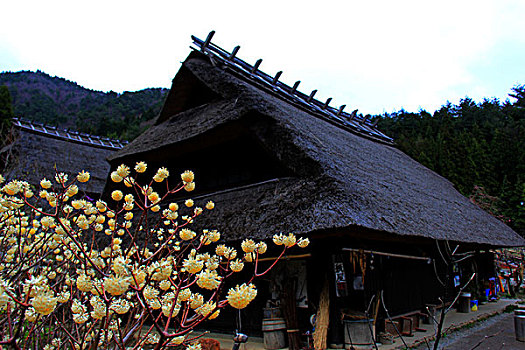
(389, 254)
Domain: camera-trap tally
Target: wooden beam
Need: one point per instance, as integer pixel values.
(287, 257)
(389, 254)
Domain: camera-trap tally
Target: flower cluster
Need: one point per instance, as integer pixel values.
(240, 296)
(107, 271)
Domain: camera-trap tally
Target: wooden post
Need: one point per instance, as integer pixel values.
(322, 319)
(288, 306)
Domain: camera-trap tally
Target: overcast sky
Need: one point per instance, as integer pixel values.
(377, 56)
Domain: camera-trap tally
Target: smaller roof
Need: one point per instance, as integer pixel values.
(38, 149)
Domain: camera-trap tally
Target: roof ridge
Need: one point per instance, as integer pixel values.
(254, 76)
(69, 135)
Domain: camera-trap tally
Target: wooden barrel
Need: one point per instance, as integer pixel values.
(274, 333)
(519, 327)
(464, 302)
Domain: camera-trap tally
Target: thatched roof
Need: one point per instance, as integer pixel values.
(340, 181)
(35, 154)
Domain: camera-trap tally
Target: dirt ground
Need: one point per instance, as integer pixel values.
(493, 334)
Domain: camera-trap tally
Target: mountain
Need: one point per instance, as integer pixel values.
(56, 101)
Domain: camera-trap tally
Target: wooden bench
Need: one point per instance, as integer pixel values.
(406, 324)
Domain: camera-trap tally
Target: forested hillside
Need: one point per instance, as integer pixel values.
(57, 101)
(478, 146)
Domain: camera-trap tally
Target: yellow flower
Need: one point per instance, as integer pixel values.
(116, 285)
(189, 203)
(77, 204)
(214, 235)
(178, 340)
(80, 318)
(122, 171)
(208, 279)
(193, 265)
(165, 285)
(236, 265)
(167, 305)
(63, 296)
(128, 216)
(212, 263)
(154, 303)
(120, 306)
(279, 239)
(220, 249)
(83, 176)
(150, 292)
(206, 309)
(187, 176)
(154, 197)
(227, 252)
(240, 296)
(45, 183)
(303, 242)
(129, 181)
(163, 172)
(44, 303)
(261, 247)
(186, 234)
(138, 277)
(210, 205)
(249, 257)
(72, 190)
(184, 294)
(174, 206)
(230, 253)
(140, 167)
(31, 314)
(248, 246)
(196, 300)
(194, 346)
(289, 240)
(84, 283)
(155, 208)
(162, 270)
(115, 177)
(117, 195)
(189, 186)
(128, 206)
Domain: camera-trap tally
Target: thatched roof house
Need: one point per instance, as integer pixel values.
(286, 169)
(278, 160)
(38, 149)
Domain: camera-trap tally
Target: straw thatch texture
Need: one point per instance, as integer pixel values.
(36, 156)
(341, 180)
(322, 319)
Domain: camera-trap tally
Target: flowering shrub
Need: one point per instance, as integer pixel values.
(152, 282)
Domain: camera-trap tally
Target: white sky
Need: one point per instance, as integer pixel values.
(377, 56)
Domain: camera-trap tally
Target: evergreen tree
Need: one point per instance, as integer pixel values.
(6, 107)
(474, 145)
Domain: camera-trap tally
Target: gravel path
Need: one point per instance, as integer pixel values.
(495, 333)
